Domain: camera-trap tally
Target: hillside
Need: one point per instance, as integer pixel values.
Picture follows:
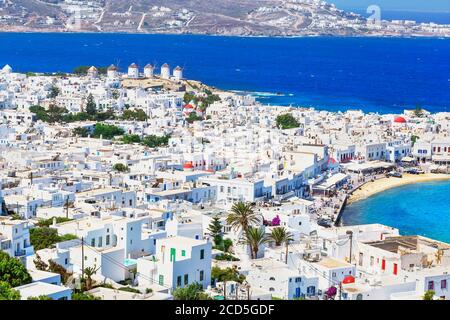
(223, 17)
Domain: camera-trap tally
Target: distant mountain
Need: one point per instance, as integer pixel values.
(224, 17)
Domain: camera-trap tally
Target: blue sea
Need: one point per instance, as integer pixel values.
(422, 208)
(384, 75)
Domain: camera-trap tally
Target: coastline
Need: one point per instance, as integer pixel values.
(371, 188)
(274, 36)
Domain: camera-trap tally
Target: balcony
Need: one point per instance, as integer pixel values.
(20, 253)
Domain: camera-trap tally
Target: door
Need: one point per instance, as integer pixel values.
(297, 292)
(383, 264)
(395, 268)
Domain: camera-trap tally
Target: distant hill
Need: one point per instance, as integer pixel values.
(223, 17)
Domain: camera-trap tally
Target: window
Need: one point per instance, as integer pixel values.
(430, 285)
(161, 280)
(272, 279)
(202, 274)
(443, 284)
(183, 253)
(371, 261)
(93, 243)
(186, 279)
(361, 258)
(100, 241)
(107, 240)
(66, 261)
(202, 254)
(179, 281)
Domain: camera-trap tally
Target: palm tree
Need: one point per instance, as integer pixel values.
(280, 235)
(242, 216)
(254, 237)
(89, 272)
(438, 255)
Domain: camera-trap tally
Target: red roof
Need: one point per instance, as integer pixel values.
(188, 165)
(348, 279)
(400, 120)
(332, 161)
(189, 106)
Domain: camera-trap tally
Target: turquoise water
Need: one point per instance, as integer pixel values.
(421, 208)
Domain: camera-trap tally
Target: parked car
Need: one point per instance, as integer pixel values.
(412, 171)
(327, 223)
(395, 174)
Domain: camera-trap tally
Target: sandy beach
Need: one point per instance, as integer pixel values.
(372, 188)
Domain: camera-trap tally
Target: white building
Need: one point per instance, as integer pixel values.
(178, 262)
(148, 71)
(133, 71)
(165, 71)
(178, 73)
(15, 237)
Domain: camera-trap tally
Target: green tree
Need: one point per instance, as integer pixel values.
(43, 237)
(88, 273)
(120, 167)
(254, 237)
(188, 97)
(7, 292)
(429, 295)
(12, 271)
(215, 229)
(227, 244)
(81, 70)
(54, 92)
(91, 106)
(418, 111)
(153, 141)
(49, 222)
(193, 117)
(129, 289)
(84, 296)
(287, 121)
(106, 131)
(137, 114)
(227, 274)
(414, 139)
(41, 297)
(40, 112)
(55, 114)
(193, 291)
(131, 138)
(81, 132)
(46, 237)
(242, 216)
(281, 236)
